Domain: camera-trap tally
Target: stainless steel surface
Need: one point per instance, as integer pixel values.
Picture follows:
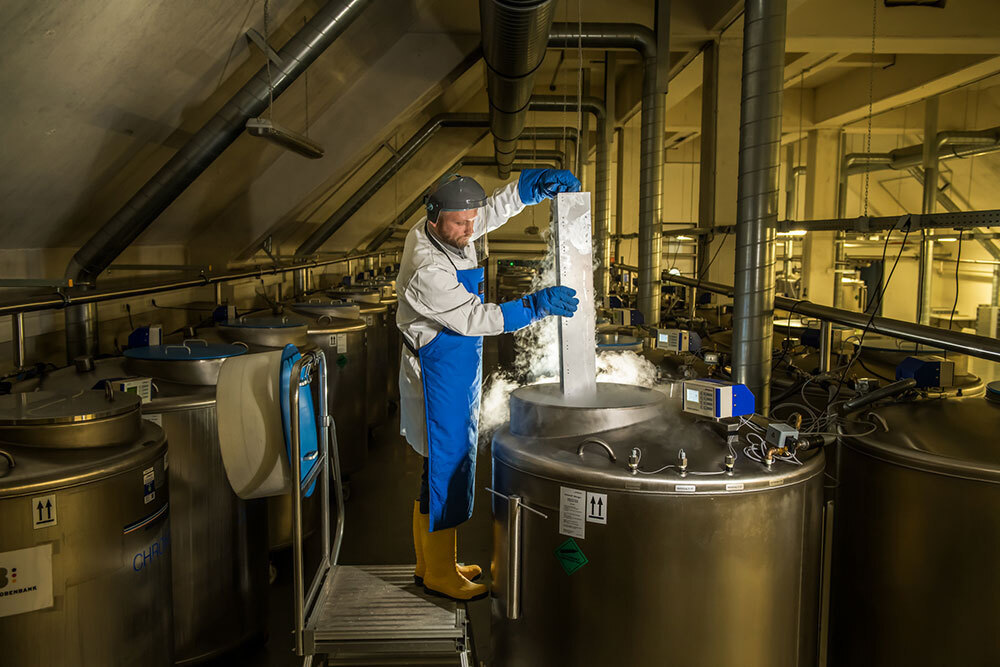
(264, 333)
(514, 41)
(82, 333)
(376, 316)
(757, 206)
(542, 410)
(325, 26)
(219, 541)
(642, 39)
(953, 341)
(394, 344)
(825, 343)
(84, 420)
(197, 372)
(17, 340)
(917, 534)
(405, 152)
(574, 266)
(345, 343)
(111, 554)
(679, 560)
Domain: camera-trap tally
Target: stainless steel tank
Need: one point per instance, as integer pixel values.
(85, 544)
(917, 537)
(336, 328)
(376, 316)
(394, 344)
(220, 541)
(703, 568)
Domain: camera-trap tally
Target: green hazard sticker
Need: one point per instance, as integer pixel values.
(570, 556)
(341, 361)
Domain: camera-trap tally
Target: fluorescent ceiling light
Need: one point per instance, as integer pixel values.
(947, 239)
(794, 232)
(293, 141)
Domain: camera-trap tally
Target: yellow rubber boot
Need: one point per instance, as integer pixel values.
(421, 526)
(441, 575)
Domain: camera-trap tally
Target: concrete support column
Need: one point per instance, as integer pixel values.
(818, 253)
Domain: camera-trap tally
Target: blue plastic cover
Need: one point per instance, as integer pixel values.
(190, 352)
(265, 323)
(308, 435)
(993, 391)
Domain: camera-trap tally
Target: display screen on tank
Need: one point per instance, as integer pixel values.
(692, 395)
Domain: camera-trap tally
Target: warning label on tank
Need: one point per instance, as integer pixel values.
(572, 512)
(148, 485)
(570, 556)
(25, 580)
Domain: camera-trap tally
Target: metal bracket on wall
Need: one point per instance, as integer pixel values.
(255, 38)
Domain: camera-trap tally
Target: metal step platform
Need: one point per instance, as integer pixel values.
(376, 615)
(357, 615)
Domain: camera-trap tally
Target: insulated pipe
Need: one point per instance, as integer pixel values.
(757, 198)
(602, 177)
(514, 34)
(82, 334)
(980, 347)
(300, 51)
(632, 36)
(928, 205)
(17, 340)
(385, 172)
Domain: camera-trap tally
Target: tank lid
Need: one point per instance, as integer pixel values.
(339, 310)
(89, 418)
(610, 341)
(359, 295)
(541, 410)
(993, 391)
(189, 351)
(264, 323)
(950, 436)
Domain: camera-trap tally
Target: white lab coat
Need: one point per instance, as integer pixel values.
(431, 299)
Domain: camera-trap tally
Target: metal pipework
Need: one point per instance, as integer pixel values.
(17, 340)
(602, 177)
(212, 139)
(928, 205)
(757, 205)
(610, 36)
(514, 35)
(980, 347)
(543, 157)
(387, 171)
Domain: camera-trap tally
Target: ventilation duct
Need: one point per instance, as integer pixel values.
(196, 155)
(515, 34)
(757, 196)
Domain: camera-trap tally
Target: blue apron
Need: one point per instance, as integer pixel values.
(451, 370)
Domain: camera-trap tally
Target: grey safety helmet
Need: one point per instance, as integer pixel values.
(454, 193)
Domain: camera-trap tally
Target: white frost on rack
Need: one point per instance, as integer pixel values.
(575, 268)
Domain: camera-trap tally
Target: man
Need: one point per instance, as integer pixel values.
(442, 319)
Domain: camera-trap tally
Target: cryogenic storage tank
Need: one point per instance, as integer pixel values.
(219, 540)
(394, 345)
(917, 536)
(703, 569)
(376, 316)
(85, 543)
(336, 328)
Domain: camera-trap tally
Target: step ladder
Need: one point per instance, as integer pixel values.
(358, 615)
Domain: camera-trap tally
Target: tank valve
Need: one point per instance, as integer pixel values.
(633, 460)
(730, 463)
(682, 455)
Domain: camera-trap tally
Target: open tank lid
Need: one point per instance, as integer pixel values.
(91, 418)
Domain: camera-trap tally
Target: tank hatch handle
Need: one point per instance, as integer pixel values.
(596, 441)
(512, 589)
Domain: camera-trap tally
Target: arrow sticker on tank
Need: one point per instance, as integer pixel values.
(43, 512)
(597, 507)
(570, 556)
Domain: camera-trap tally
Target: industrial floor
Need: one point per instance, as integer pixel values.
(377, 532)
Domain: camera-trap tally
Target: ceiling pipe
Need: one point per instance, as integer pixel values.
(614, 36)
(514, 33)
(757, 196)
(532, 160)
(399, 159)
(602, 194)
(300, 51)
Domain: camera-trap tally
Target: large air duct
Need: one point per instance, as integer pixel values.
(602, 194)
(611, 36)
(199, 152)
(757, 197)
(515, 34)
(400, 158)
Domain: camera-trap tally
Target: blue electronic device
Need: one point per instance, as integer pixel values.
(718, 400)
(932, 372)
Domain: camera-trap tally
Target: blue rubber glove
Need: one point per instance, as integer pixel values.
(536, 185)
(556, 300)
